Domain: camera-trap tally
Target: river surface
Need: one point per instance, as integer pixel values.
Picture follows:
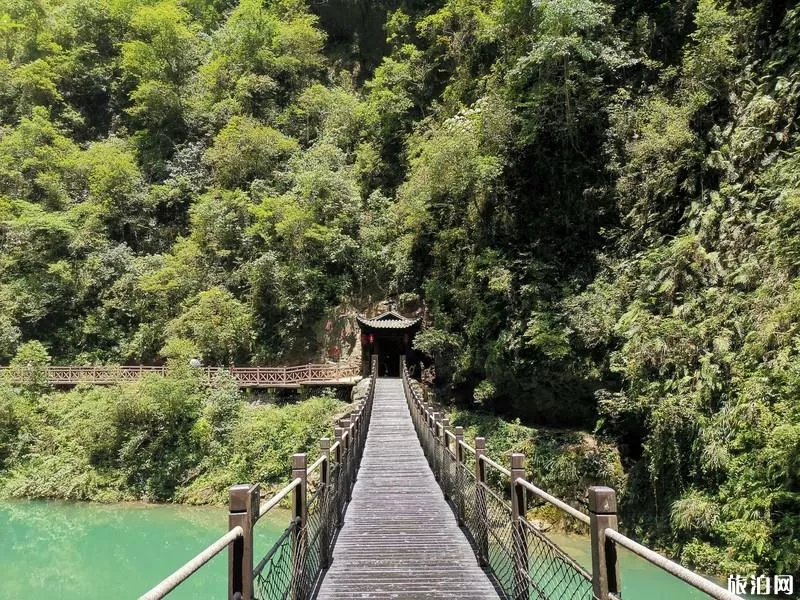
(66, 551)
(87, 551)
(640, 580)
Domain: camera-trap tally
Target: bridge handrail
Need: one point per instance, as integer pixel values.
(495, 465)
(466, 446)
(192, 566)
(275, 547)
(337, 466)
(316, 464)
(503, 544)
(679, 571)
(574, 512)
(267, 506)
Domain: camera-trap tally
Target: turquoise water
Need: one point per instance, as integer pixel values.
(86, 551)
(640, 580)
(66, 551)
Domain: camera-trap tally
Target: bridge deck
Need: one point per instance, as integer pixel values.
(400, 538)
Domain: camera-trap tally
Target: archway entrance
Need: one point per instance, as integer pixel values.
(389, 354)
(389, 337)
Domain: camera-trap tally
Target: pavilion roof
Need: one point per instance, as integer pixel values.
(388, 320)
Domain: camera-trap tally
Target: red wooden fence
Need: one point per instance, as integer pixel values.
(246, 377)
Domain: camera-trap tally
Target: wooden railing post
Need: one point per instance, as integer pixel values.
(347, 450)
(338, 433)
(435, 418)
(459, 432)
(519, 509)
(603, 515)
(324, 481)
(352, 451)
(364, 410)
(429, 425)
(243, 511)
(348, 440)
(299, 515)
(480, 503)
(357, 424)
(444, 470)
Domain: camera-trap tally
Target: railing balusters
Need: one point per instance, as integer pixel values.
(245, 376)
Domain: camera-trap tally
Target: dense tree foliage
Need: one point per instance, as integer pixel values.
(160, 439)
(596, 201)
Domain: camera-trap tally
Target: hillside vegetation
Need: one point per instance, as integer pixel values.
(159, 439)
(597, 202)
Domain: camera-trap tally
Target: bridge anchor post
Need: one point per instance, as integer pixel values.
(519, 507)
(300, 514)
(327, 515)
(437, 472)
(445, 470)
(602, 516)
(480, 502)
(243, 506)
(339, 456)
(459, 431)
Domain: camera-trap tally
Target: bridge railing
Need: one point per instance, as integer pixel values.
(244, 376)
(491, 503)
(318, 493)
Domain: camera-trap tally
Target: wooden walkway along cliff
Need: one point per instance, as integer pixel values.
(245, 377)
(400, 538)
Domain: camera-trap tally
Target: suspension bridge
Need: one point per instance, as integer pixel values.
(401, 506)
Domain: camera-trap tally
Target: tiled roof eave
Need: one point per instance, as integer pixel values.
(388, 323)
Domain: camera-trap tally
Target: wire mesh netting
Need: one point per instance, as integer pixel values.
(294, 564)
(524, 563)
(471, 509)
(273, 574)
(553, 573)
(313, 540)
(333, 505)
(291, 567)
(447, 472)
(500, 543)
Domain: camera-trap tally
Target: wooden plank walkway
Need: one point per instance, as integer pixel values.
(400, 538)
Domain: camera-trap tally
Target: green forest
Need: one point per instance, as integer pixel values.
(596, 202)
